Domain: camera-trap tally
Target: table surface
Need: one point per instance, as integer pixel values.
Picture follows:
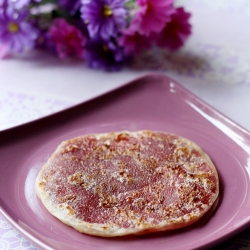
(214, 65)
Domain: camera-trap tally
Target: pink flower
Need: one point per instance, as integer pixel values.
(152, 15)
(132, 42)
(176, 31)
(67, 39)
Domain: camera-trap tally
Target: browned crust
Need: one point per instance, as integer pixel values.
(66, 213)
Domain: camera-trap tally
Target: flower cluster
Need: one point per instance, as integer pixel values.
(104, 33)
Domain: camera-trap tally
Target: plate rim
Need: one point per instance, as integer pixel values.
(31, 123)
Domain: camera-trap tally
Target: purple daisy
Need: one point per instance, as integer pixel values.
(15, 33)
(100, 54)
(104, 17)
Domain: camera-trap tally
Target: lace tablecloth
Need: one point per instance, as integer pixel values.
(214, 65)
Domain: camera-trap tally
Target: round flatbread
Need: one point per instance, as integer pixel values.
(121, 183)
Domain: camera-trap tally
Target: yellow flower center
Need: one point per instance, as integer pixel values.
(13, 27)
(107, 11)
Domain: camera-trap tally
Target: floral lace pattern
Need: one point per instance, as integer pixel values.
(26, 107)
(11, 239)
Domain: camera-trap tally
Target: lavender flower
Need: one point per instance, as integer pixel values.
(100, 54)
(104, 17)
(15, 32)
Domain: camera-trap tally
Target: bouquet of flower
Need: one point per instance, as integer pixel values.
(103, 33)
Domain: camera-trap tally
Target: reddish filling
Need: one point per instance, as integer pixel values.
(128, 180)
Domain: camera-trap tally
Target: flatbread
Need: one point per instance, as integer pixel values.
(121, 183)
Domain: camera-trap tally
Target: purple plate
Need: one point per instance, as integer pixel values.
(152, 102)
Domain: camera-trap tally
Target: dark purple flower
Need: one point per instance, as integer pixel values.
(100, 54)
(70, 5)
(15, 32)
(176, 31)
(104, 17)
